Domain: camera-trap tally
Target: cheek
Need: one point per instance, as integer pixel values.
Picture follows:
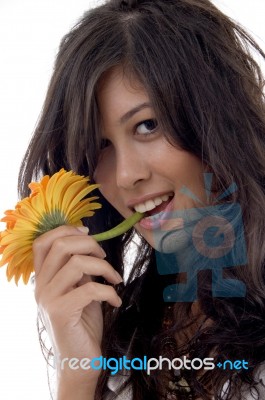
(104, 175)
(183, 167)
(105, 167)
(106, 182)
(109, 191)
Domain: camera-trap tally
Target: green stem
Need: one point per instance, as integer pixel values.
(123, 227)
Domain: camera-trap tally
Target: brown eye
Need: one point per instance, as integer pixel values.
(146, 127)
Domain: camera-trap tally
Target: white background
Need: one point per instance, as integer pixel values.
(30, 32)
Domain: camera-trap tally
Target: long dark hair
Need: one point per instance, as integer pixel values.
(206, 89)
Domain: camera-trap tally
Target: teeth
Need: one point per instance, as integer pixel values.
(151, 204)
(140, 208)
(158, 201)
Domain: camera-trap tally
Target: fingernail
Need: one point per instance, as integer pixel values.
(83, 229)
(103, 253)
(119, 302)
(118, 277)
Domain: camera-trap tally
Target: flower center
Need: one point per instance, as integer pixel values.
(49, 221)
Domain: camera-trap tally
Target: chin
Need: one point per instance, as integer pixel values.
(173, 241)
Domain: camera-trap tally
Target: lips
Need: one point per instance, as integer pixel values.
(159, 208)
(149, 202)
(158, 216)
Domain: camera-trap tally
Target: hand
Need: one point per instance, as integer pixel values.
(66, 259)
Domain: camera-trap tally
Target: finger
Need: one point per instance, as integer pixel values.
(59, 253)
(43, 243)
(82, 296)
(78, 265)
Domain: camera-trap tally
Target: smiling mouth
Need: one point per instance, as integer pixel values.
(154, 206)
(161, 207)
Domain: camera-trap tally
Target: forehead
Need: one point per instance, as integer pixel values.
(118, 75)
(118, 91)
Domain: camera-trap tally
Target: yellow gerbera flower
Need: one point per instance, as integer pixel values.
(54, 201)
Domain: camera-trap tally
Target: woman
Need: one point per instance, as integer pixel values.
(152, 99)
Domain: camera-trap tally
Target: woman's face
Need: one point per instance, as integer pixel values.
(138, 169)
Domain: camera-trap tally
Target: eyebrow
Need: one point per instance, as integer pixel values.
(133, 111)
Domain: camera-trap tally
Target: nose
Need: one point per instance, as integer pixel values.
(131, 168)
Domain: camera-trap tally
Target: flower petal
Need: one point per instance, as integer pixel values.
(53, 201)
